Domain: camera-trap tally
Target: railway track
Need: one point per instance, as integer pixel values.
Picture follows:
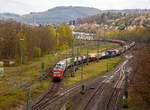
(53, 96)
(41, 103)
(112, 101)
(100, 89)
(98, 95)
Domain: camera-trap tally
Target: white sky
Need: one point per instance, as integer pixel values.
(27, 6)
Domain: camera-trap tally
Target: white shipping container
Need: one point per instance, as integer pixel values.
(1, 63)
(11, 62)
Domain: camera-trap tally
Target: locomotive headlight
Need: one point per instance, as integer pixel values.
(56, 74)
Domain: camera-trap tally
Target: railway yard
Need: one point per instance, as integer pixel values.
(104, 92)
(70, 87)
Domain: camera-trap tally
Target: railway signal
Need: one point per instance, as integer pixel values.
(28, 105)
(66, 60)
(107, 65)
(64, 107)
(41, 73)
(126, 84)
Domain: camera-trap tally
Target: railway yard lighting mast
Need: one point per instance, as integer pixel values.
(126, 90)
(125, 96)
(126, 84)
(21, 55)
(77, 56)
(57, 37)
(107, 64)
(82, 66)
(82, 86)
(56, 42)
(66, 60)
(87, 61)
(73, 69)
(98, 45)
(105, 38)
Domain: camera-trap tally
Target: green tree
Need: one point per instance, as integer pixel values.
(53, 37)
(69, 35)
(61, 35)
(21, 46)
(62, 30)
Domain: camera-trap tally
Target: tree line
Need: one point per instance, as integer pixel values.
(137, 33)
(18, 39)
(119, 19)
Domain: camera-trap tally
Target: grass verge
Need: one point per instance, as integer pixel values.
(93, 70)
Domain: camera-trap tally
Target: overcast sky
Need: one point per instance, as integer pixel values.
(27, 6)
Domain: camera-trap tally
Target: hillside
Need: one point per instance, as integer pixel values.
(114, 20)
(8, 16)
(66, 13)
(59, 14)
(63, 14)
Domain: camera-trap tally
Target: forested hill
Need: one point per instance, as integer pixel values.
(117, 19)
(57, 14)
(63, 14)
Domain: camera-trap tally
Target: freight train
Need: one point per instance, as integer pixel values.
(62, 66)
